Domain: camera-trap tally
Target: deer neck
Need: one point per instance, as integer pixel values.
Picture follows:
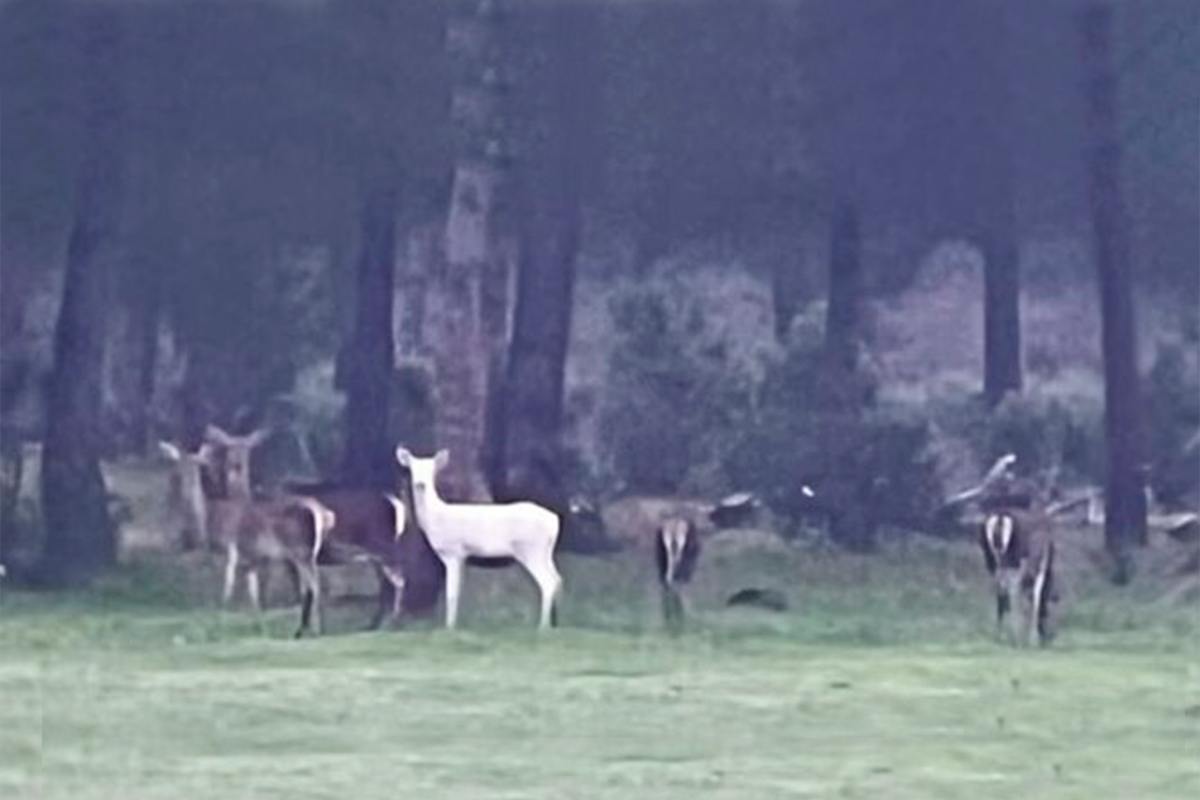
(430, 508)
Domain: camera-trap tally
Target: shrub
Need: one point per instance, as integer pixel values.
(818, 425)
(1173, 407)
(673, 396)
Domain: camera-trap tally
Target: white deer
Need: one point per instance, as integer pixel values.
(523, 531)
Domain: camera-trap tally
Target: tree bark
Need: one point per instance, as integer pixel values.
(1001, 316)
(469, 296)
(80, 539)
(369, 368)
(842, 321)
(1125, 500)
(531, 405)
(1001, 267)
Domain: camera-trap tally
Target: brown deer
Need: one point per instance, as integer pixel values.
(676, 552)
(187, 498)
(1018, 550)
(253, 532)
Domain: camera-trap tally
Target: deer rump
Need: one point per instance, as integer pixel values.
(365, 530)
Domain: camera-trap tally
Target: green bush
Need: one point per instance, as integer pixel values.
(1173, 403)
(1050, 429)
(673, 397)
(817, 424)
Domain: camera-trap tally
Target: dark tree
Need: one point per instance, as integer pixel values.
(1125, 501)
(80, 539)
(845, 287)
(530, 410)
(367, 365)
(1001, 317)
(1002, 285)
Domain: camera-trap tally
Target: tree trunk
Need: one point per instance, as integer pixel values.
(1001, 267)
(368, 376)
(468, 301)
(1125, 501)
(842, 323)
(530, 407)
(149, 323)
(1001, 316)
(80, 540)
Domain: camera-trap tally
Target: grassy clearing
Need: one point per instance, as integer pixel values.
(882, 681)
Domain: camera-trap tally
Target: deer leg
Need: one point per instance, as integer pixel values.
(385, 599)
(395, 582)
(672, 604)
(231, 565)
(454, 568)
(254, 589)
(310, 608)
(1037, 609)
(549, 583)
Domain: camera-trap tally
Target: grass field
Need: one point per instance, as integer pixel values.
(883, 680)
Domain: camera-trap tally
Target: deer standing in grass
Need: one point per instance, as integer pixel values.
(457, 532)
(253, 533)
(676, 552)
(1019, 553)
(187, 492)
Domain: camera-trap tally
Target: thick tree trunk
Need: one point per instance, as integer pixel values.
(842, 322)
(998, 237)
(80, 540)
(1125, 500)
(369, 368)
(531, 415)
(469, 298)
(531, 405)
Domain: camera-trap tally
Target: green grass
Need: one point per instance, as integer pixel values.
(884, 680)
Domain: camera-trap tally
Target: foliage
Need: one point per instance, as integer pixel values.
(816, 424)
(1055, 430)
(1173, 408)
(673, 395)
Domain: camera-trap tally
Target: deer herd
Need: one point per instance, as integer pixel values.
(415, 546)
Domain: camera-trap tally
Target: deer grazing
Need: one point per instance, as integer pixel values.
(676, 552)
(253, 533)
(457, 532)
(1019, 553)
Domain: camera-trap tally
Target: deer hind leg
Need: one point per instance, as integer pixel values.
(454, 570)
(673, 612)
(549, 582)
(310, 609)
(254, 589)
(1037, 611)
(231, 569)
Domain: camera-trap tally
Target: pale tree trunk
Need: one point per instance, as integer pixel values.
(531, 405)
(468, 302)
(1125, 500)
(80, 540)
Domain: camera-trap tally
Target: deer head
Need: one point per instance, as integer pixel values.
(235, 457)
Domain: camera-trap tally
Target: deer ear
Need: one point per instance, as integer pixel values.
(441, 459)
(205, 454)
(169, 450)
(217, 436)
(258, 437)
(403, 456)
